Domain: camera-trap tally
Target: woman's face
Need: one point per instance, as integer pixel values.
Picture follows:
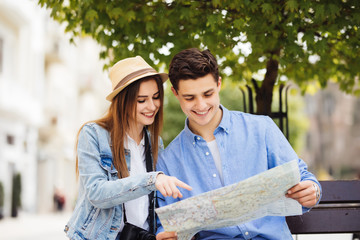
(148, 103)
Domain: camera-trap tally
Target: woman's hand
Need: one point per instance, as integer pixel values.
(304, 192)
(169, 236)
(166, 235)
(167, 185)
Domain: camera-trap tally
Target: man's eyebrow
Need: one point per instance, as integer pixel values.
(191, 95)
(187, 95)
(208, 91)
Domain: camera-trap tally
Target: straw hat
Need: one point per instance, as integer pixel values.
(127, 71)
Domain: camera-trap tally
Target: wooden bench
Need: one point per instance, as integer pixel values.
(337, 212)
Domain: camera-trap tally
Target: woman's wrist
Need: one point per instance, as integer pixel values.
(157, 174)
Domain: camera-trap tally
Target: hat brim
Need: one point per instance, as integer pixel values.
(163, 76)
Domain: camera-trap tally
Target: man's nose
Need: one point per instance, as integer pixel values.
(200, 103)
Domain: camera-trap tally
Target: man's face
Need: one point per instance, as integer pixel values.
(199, 100)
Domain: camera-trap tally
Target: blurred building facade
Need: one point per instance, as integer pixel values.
(333, 139)
(48, 88)
(21, 89)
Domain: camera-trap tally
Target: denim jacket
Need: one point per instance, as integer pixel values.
(98, 210)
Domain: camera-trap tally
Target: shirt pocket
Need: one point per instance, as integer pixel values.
(106, 163)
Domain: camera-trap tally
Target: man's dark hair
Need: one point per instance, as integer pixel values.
(192, 64)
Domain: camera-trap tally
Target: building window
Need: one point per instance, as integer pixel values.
(10, 139)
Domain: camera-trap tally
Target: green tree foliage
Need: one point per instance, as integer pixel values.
(298, 122)
(174, 118)
(304, 41)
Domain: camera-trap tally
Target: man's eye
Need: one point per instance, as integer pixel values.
(208, 94)
(189, 99)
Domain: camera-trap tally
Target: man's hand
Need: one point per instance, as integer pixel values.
(166, 236)
(304, 192)
(167, 186)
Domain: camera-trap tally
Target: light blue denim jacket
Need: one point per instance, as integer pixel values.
(98, 210)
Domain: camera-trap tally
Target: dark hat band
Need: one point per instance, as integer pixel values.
(134, 75)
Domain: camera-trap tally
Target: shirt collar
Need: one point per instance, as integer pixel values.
(224, 125)
(225, 120)
(142, 142)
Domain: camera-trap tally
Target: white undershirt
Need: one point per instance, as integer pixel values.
(137, 210)
(216, 156)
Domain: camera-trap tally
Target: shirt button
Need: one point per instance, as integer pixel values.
(207, 153)
(193, 143)
(198, 138)
(247, 233)
(214, 175)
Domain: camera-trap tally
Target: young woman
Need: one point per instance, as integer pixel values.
(116, 156)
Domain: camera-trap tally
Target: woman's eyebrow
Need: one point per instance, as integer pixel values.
(140, 96)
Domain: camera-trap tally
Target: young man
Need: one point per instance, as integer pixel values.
(218, 147)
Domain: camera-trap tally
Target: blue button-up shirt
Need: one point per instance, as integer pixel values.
(248, 145)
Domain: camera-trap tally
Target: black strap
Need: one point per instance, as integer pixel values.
(149, 168)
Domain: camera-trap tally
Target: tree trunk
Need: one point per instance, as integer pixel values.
(264, 94)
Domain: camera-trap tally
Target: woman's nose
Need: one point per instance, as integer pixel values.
(151, 105)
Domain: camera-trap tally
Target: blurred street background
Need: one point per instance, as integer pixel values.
(49, 88)
(35, 226)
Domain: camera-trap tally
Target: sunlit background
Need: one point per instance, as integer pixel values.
(49, 87)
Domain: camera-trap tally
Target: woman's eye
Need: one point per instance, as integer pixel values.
(156, 96)
(141, 101)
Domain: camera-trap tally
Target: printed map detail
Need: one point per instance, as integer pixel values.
(256, 197)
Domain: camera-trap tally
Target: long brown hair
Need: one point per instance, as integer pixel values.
(122, 110)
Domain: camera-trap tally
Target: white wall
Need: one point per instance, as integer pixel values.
(48, 88)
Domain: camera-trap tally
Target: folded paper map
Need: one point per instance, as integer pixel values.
(255, 197)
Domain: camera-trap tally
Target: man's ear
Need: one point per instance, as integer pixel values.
(219, 83)
(174, 91)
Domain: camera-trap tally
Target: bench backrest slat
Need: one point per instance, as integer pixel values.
(340, 191)
(337, 212)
